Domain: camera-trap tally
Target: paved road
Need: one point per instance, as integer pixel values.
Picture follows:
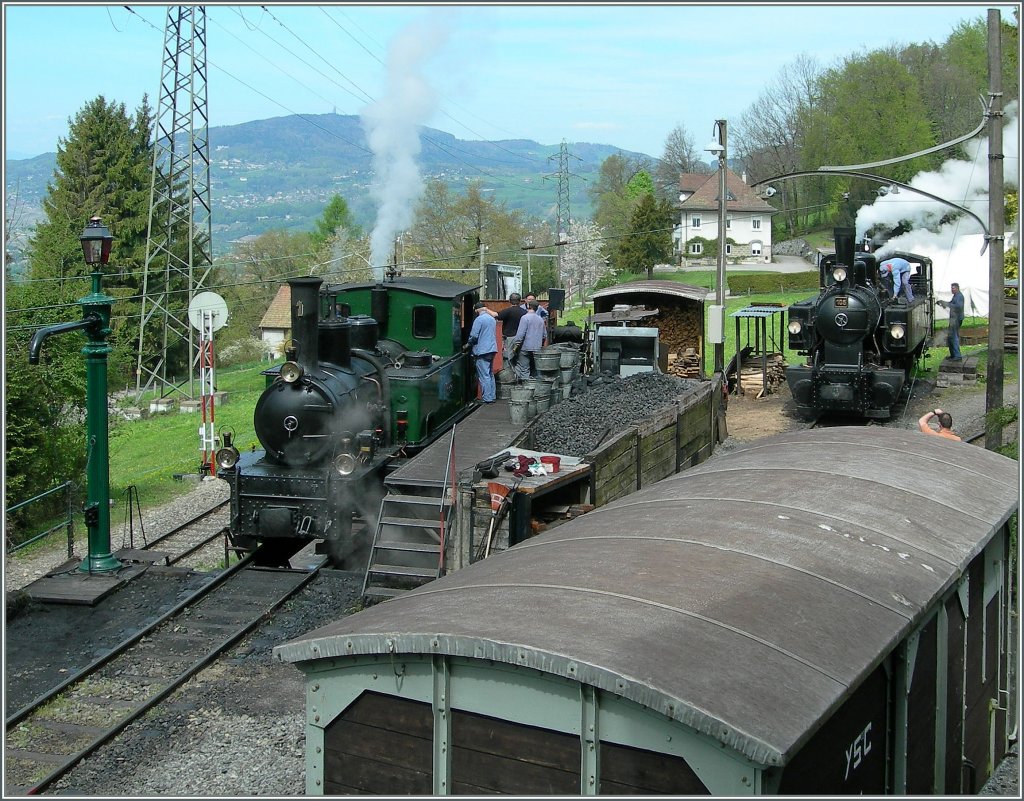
(780, 264)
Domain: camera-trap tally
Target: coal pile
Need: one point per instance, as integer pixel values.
(577, 425)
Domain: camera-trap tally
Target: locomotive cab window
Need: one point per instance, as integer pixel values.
(424, 322)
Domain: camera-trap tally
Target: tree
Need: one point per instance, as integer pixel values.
(611, 197)
(583, 261)
(257, 268)
(450, 227)
(336, 221)
(767, 138)
(868, 108)
(103, 168)
(680, 156)
(649, 241)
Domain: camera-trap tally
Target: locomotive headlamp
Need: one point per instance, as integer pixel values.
(344, 463)
(897, 331)
(291, 372)
(227, 457)
(839, 274)
(795, 327)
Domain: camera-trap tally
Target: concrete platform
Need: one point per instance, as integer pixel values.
(68, 585)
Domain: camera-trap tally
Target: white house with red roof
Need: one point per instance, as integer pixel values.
(748, 219)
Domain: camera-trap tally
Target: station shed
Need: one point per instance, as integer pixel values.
(680, 321)
(783, 619)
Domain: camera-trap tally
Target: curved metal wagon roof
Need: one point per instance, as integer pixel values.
(673, 288)
(746, 597)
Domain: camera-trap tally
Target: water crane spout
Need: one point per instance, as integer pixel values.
(42, 334)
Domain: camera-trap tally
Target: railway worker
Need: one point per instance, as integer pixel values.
(945, 421)
(530, 336)
(956, 319)
(541, 312)
(510, 317)
(484, 344)
(899, 269)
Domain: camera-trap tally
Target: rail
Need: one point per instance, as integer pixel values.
(68, 521)
(45, 763)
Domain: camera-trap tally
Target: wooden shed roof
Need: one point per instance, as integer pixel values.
(746, 598)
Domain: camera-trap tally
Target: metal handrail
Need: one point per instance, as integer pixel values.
(449, 472)
(68, 521)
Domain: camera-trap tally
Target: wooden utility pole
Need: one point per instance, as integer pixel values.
(996, 227)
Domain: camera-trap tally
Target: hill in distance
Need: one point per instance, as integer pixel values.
(281, 172)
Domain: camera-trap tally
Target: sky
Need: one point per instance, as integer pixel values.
(620, 75)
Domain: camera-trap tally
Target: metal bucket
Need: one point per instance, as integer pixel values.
(566, 376)
(506, 375)
(543, 403)
(567, 359)
(531, 409)
(547, 360)
(519, 412)
(520, 392)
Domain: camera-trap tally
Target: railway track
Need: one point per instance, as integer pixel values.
(53, 733)
(195, 543)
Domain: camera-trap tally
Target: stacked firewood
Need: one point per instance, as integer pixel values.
(685, 364)
(756, 382)
(679, 328)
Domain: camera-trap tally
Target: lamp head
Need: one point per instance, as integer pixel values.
(96, 241)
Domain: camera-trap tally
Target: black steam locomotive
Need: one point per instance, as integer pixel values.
(861, 343)
(375, 373)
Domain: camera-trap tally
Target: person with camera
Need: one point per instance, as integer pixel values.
(945, 422)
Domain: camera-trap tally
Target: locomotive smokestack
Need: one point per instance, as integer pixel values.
(846, 246)
(305, 316)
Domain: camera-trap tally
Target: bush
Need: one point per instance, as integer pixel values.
(244, 351)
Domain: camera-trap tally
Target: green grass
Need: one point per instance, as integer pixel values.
(149, 452)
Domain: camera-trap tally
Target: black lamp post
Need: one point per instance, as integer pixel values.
(96, 241)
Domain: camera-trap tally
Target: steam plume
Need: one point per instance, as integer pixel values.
(392, 129)
(954, 246)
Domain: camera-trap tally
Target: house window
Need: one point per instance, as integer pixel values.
(728, 223)
(696, 248)
(755, 223)
(424, 322)
(755, 248)
(728, 249)
(695, 221)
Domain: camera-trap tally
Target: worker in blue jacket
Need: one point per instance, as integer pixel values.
(483, 341)
(899, 269)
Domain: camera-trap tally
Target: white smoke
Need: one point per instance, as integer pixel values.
(392, 126)
(955, 246)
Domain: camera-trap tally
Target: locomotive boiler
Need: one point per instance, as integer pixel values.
(374, 373)
(860, 342)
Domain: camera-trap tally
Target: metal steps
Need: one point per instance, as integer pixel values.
(406, 550)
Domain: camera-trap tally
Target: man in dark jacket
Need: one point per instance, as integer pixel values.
(956, 318)
(509, 319)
